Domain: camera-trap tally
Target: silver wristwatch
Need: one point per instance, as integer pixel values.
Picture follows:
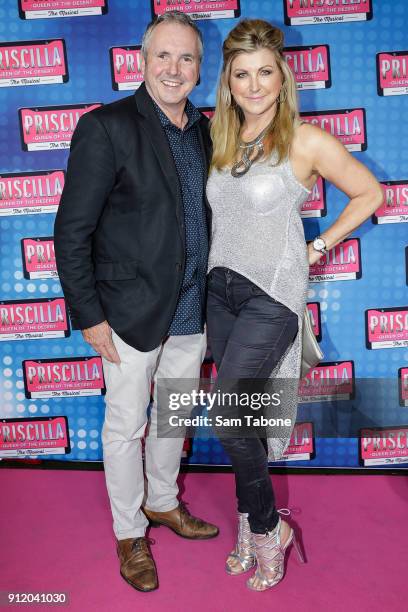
(319, 244)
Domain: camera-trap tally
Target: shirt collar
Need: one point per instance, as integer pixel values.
(193, 115)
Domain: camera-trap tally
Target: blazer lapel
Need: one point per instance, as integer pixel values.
(157, 137)
(205, 143)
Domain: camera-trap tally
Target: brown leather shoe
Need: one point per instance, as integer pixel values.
(136, 564)
(182, 523)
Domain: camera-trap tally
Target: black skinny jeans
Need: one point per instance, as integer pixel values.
(248, 332)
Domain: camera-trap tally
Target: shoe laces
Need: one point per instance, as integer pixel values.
(271, 548)
(245, 543)
(142, 543)
(184, 511)
(269, 551)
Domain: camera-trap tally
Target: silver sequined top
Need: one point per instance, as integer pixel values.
(257, 231)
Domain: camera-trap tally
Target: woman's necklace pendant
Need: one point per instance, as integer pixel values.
(243, 165)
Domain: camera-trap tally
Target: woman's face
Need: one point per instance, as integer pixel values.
(255, 82)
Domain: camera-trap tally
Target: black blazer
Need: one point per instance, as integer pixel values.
(119, 231)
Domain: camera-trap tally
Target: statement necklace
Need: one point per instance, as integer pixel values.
(244, 164)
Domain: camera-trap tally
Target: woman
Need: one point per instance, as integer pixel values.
(265, 163)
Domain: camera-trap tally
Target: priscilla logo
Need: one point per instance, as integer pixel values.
(199, 9)
(29, 193)
(39, 258)
(327, 382)
(386, 327)
(126, 67)
(37, 62)
(301, 446)
(348, 125)
(394, 208)
(392, 73)
(310, 65)
(384, 446)
(33, 319)
(66, 377)
(315, 205)
(52, 9)
(34, 436)
(306, 12)
(342, 262)
(50, 127)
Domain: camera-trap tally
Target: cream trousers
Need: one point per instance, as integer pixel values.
(127, 398)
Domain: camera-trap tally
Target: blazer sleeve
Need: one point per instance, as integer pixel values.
(89, 180)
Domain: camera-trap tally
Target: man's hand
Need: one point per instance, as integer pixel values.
(100, 338)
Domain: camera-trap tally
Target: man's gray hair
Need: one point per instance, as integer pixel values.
(172, 17)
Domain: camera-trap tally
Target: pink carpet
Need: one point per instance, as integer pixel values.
(56, 536)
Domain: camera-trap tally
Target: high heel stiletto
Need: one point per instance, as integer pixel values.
(242, 558)
(270, 556)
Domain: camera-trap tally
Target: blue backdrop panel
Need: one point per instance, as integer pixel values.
(353, 48)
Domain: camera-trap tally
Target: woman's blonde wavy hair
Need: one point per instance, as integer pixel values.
(248, 36)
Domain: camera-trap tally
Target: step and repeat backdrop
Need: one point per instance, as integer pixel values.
(62, 58)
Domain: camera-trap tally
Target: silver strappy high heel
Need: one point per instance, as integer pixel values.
(270, 556)
(242, 558)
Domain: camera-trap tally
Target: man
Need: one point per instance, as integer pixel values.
(131, 244)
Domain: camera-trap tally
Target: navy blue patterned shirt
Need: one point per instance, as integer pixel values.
(186, 150)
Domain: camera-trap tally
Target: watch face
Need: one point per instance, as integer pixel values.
(319, 244)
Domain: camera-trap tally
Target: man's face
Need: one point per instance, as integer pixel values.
(172, 67)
